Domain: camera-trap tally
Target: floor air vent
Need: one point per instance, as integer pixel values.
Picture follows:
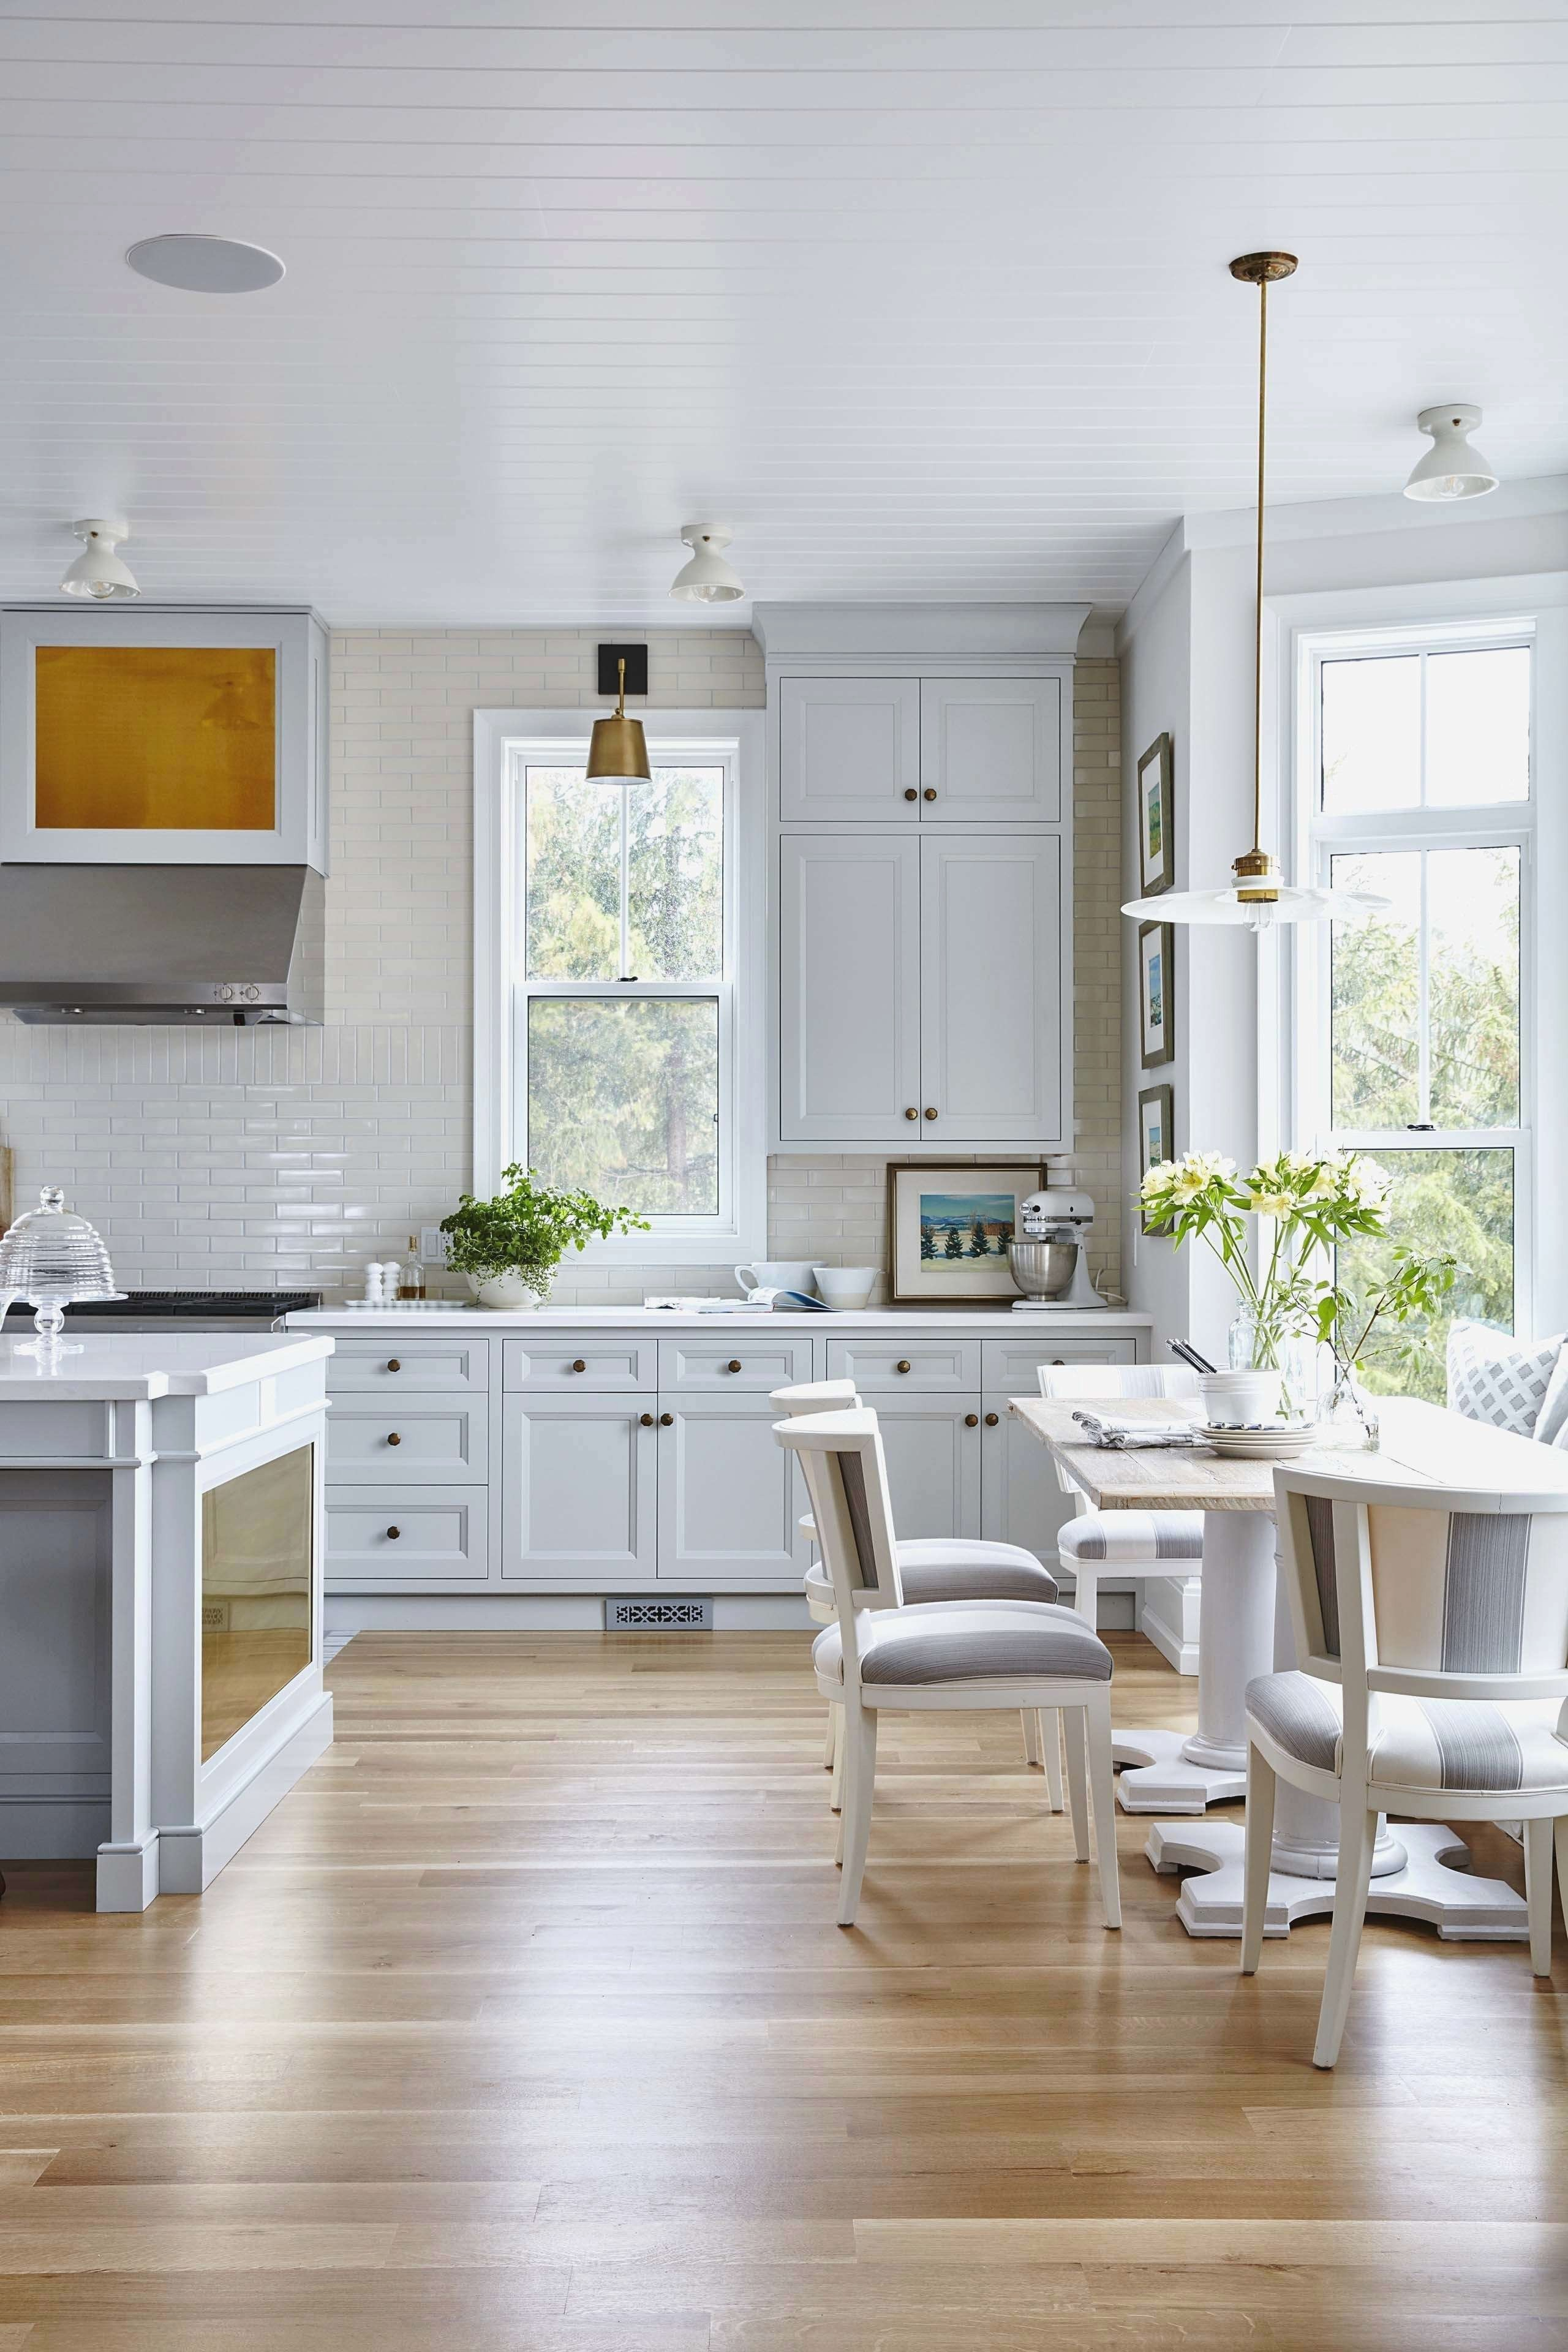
(635, 1615)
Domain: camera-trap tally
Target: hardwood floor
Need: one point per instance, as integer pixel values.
(524, 2026)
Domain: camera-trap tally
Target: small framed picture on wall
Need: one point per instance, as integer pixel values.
(1156, 819)
(1157, 992)
(1156, 1136)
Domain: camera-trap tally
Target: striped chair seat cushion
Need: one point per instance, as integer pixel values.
(958, 1567)
(969, 1642)
(1421, 1743)
(1127, 1539)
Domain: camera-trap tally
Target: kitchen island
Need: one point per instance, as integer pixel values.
(523, 1468)
(161, 1543)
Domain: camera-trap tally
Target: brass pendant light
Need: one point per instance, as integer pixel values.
(618, 748)
(1260, 895)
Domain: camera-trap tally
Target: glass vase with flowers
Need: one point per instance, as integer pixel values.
(1306, 1205)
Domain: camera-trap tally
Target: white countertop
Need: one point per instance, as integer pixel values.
(993, 1322)
(102, 1366)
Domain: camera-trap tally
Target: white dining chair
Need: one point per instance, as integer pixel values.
(1431, 1625)
(882, 1652)
(1136, 1544)
(934, 1568)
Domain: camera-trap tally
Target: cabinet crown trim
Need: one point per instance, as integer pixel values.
(819, 632)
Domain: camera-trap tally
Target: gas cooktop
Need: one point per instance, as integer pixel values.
(222, 1309)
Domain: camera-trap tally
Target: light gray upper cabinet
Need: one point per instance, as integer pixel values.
(990, 982)
(849, 748)
(991, 751)
(921, 988)
(920, 751)
(849, 1028)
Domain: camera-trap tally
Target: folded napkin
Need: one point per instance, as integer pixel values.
(1105, 1429)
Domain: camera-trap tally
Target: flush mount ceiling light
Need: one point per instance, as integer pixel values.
(1451, 468)
(1260, 895)
(707, 579)
(618, 748)
(204, 265)
(98, 572)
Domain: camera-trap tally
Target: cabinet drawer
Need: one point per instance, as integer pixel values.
(391, 1365)
(708, 1366)
(589, 1362)
(879, 1363)
(430, 1535)
(419, 1440)
(1011, 1364)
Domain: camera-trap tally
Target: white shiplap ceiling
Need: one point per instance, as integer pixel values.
(926, 297)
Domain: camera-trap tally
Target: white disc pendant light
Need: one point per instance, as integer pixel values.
(1259, 896)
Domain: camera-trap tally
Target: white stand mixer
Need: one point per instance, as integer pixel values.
(1050, 1265)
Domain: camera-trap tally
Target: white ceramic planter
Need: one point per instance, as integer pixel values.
(1239, 1400)
(508, 1291)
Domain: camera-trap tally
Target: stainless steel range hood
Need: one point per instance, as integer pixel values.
(209, 946)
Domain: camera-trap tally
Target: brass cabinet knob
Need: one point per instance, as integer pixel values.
(903, 1365)
(395, 1363)
(392, 1534)
(931, 792)
(910, 793)
(992, 1419)
(972, 1421)
(733, 1365)
(393, 1438)
(647, 1420)
(931, 1110)
(911, 1112)
(578, 1365)
(666, 1421)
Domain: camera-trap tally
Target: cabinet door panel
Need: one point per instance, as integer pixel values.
(578, 1498)
(848, 987)
(990, 1006)
(729, 1497)
(850, 749)
(934, 1464)
(1022, 1499)
(991, 751)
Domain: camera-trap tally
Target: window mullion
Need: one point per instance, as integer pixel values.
(1422, 1005)
(625, 967)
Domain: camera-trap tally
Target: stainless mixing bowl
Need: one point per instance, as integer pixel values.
(1042, 1269)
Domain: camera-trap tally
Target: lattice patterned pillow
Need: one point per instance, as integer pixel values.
(1495, 1378)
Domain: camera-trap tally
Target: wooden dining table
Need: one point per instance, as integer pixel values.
(1420, 1870)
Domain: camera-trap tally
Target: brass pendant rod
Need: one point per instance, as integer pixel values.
(620, 664)
(1257, 641)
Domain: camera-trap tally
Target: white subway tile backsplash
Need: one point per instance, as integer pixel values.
(275, 1156)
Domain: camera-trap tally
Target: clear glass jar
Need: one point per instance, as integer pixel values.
(1347, 1418)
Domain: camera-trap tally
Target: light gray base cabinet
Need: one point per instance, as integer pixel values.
(619, 1461)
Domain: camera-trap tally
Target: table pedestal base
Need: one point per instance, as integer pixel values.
(1434, 1885)
(1162, 1777)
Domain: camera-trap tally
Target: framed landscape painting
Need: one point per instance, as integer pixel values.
(1156, 819)
(1157, 992)
(1156, 1135)
(949, 1228)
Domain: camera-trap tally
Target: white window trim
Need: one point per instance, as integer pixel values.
(500, 739)
(1447, 615)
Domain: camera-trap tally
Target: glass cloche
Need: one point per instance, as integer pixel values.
(53, 1259)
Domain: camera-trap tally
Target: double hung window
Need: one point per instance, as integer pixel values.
(1414, 1044)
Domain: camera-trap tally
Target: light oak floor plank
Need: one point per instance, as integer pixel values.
(523, 2025)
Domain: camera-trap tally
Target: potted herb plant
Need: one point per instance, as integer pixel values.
(511, 1245)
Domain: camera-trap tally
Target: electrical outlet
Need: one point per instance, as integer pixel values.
(433, 1246)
